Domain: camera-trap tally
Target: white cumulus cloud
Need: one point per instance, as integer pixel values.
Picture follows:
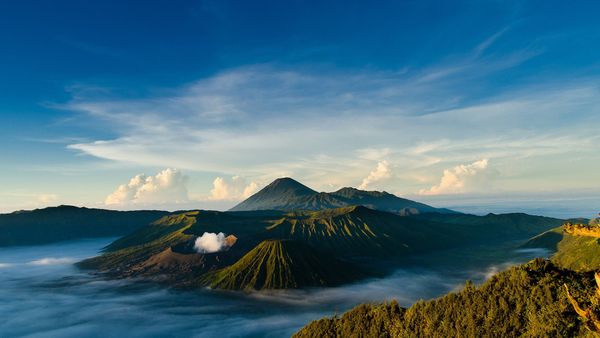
(382, 172)
(236, 188)
(462, 178)
(168, 186)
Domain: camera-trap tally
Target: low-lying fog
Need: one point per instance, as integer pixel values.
(43, 295)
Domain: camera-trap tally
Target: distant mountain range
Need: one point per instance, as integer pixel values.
(65, 222)
(288, 194)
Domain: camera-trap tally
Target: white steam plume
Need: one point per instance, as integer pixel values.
(211, 242)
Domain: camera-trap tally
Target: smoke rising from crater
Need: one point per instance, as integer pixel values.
(211, 242)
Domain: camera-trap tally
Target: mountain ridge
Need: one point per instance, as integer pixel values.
(288, 194)
(66, 222)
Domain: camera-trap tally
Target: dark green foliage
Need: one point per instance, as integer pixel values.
(365, 320)
(287, 194)
(529, 300)
(282, 264)
(64, 223)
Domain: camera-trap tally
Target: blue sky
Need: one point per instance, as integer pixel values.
(478, 105)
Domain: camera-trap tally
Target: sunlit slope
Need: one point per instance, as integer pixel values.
(282, 264)
(580, 253)
(575, 252)
(528, 300)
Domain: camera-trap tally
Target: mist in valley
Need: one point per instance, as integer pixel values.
(43, 294)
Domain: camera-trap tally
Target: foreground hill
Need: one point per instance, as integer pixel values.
(64, 223)
(282, 264)
(287, 194)
(528, 300)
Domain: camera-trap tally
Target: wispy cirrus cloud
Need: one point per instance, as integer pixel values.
(331, 128)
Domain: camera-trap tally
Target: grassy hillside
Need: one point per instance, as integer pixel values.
(580, 253)
(281, 264)
(64, 223)
(528, 300)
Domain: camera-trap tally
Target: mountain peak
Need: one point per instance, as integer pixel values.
(276, 196)
(287, 183)
(288, 194)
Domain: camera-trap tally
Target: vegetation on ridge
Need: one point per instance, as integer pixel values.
(574, 247)
(528, 300)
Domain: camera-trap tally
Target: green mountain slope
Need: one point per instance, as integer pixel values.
(287, 194)
(574, 252)
(529, 300)
(64, 223)
(579, 253)
(134, 249)
(360, 231)
(281, 264)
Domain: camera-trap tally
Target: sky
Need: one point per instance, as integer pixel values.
(482, 106)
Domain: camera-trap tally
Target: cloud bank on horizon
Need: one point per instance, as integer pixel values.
(435, 101)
